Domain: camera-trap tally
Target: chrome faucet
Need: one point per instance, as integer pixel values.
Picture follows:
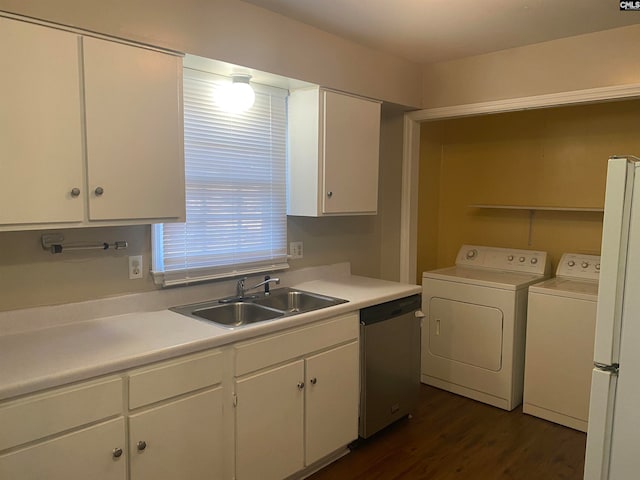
(241, 290)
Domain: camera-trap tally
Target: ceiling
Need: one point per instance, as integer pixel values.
(427, 31)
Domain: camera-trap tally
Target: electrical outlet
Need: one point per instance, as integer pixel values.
(135, 267)
(295, 250)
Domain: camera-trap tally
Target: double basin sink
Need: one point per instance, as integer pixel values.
(238, 312)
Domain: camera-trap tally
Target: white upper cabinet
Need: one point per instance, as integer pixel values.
(91, 131)
(333, 153)
(41, 154)
(134, 131)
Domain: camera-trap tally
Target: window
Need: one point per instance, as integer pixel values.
(235, 174)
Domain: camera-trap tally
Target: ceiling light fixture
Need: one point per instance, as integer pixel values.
(237, 96)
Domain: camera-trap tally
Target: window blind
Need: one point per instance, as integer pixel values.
(235, 175)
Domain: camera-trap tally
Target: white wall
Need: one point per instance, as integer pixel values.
(601, 59)
(237, 32)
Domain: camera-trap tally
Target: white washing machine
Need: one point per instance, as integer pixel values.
(560, 337)
(473, 336)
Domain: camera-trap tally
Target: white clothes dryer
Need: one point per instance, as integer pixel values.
(473, 336)
(560, 338)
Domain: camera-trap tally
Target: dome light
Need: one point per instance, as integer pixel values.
(237, 96)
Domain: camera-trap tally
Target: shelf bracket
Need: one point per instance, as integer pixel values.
(532, 214)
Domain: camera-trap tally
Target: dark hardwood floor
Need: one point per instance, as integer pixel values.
(452, 437)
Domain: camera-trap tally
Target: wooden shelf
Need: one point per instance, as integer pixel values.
(532, 209)
(539, 208)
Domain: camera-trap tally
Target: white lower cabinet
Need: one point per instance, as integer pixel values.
(181, 439)
(74, 432)
(94, 453)
(175, 428)
(269, 423)
(267, 408)
(331, 400)
(167, 425)
(295, 413)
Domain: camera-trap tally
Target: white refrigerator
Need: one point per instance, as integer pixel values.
(613, 436)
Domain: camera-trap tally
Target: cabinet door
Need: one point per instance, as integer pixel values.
(269, 423)
(40, 125)
(350, 154)
(86, 454)
(182, 440)
(133, 101)
(332, 396)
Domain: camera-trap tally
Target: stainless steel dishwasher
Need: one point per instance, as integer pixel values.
(389, 362)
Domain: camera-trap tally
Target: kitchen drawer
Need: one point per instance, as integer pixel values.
(254, 355)
(173, 378)
(55, 411)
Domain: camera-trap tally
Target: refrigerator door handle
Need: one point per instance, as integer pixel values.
(601, 407)
(607, 368)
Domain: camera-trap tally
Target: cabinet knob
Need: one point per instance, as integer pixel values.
(99, 191)
(141, 445)
(329, 194)
(313, 381)
(75, 191)
(300, 385)
(117, 452)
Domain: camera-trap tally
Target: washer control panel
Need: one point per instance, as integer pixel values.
(508, 259)
(577, 265)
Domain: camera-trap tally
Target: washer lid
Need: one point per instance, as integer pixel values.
(567, 287)
(484, 277)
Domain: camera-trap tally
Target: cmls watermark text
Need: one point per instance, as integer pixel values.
(630, 5)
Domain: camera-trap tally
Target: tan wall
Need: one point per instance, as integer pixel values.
(600, 59)
(390, 192)
(31, 276)
(429, 197)
(237, 32)
(553, 157)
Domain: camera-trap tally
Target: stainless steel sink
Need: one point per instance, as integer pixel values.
(237, 314)
(296, 301)
(231, 314)
(282, 302)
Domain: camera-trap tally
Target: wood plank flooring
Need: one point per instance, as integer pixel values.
(455, 438)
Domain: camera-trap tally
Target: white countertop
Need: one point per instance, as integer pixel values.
(48, 357)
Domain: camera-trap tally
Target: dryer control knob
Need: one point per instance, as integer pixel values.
(597, 266)
(534, 260)
(472, 254)
(585, 264)
(571, 263)
(510, 258)
(522, 259)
